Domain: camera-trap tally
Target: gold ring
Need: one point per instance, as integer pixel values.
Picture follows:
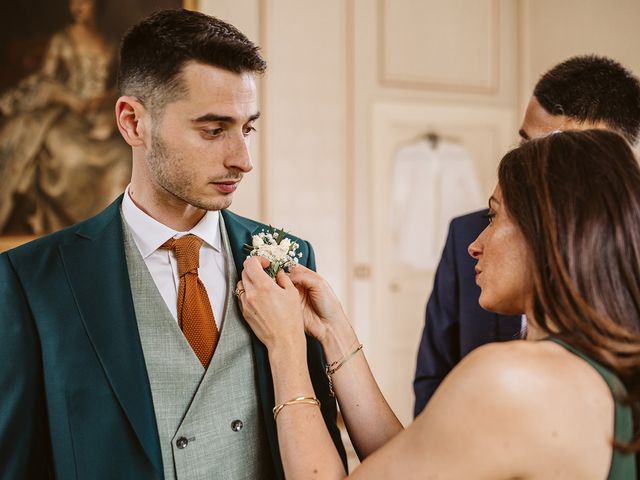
(239, 291)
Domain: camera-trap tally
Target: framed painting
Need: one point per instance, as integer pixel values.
(62, 158)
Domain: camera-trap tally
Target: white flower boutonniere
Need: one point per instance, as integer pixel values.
(275, 247)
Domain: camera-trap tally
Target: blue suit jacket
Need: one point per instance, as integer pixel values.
(455, 323)
(75, 400)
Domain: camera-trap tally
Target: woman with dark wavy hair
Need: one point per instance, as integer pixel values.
(563, 246)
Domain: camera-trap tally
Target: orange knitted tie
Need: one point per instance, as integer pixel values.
(195, 316)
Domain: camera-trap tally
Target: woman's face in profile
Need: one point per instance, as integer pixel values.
(82, 11)
(502, 271)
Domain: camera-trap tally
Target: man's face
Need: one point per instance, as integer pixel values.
(200, 142)
(538, 122)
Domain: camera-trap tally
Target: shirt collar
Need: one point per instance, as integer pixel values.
(149, 234)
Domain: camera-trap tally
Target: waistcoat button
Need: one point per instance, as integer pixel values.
(237, 425)
(182, 442)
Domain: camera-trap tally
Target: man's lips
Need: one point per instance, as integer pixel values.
(228, 186)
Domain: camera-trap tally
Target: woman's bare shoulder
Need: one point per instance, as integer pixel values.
(527, 400)
(520, 368)
(504, 380)
(514, 410)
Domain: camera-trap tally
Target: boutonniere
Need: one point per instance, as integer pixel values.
(276, 247)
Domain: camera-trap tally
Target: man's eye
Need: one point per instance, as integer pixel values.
(215, 132)
(248, 130)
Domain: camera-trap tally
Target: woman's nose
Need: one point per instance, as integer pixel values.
(474, 249)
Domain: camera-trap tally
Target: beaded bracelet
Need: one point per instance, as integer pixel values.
(333, 367)
(295, 401)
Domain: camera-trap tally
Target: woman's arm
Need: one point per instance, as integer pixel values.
(358, 394)
(275, 313)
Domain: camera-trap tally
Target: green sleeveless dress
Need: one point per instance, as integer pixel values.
(623, 465)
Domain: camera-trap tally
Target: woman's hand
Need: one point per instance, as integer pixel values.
(322, 311)
(272, 309)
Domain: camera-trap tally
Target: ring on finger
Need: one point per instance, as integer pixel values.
(239, 291)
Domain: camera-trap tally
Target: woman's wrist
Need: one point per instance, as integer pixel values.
(287, 347)
(290, 372)
(338, 340)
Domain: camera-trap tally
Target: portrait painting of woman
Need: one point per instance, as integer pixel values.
(61, 157)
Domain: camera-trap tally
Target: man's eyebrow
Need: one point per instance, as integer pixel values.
(213, 117)
(523, 134)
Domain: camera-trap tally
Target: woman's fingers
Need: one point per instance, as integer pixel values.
(254, 275)
(253, 266)
(311, 281)
(239, 289)
(263, 261)
(282, 279)
(303, 277)
(240, 292)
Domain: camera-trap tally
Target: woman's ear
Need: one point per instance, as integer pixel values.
(131, 117)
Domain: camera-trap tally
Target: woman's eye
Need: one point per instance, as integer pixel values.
(489, 215)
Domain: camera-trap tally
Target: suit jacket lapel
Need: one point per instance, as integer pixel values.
(97, 271)
(239, 236)
(239, 233)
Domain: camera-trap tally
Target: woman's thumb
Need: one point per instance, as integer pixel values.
(283, 280)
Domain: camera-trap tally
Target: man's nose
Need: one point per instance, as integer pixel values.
(239, 157)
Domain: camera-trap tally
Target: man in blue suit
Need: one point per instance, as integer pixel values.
(582, 92)
(102, 375)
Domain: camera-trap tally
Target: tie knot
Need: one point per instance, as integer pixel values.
(187, 250)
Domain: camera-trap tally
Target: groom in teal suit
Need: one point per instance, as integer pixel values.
(102, 375)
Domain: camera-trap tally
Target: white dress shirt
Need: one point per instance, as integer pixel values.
(149, 235)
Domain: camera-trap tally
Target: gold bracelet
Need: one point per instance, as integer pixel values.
(333, 367)
(295, 401)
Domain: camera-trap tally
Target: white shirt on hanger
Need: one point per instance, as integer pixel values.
(431, 186)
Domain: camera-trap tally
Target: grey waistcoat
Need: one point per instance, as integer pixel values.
(209, 422)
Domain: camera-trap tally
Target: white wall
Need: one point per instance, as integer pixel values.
(552, 31)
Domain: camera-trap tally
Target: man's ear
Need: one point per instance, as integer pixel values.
(131, 117)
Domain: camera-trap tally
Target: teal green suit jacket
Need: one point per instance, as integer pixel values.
(75, 400)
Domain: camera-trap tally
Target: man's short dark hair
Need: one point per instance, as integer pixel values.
(154, 52)
(593, 89)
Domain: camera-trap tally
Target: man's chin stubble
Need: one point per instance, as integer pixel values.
(214, 205)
